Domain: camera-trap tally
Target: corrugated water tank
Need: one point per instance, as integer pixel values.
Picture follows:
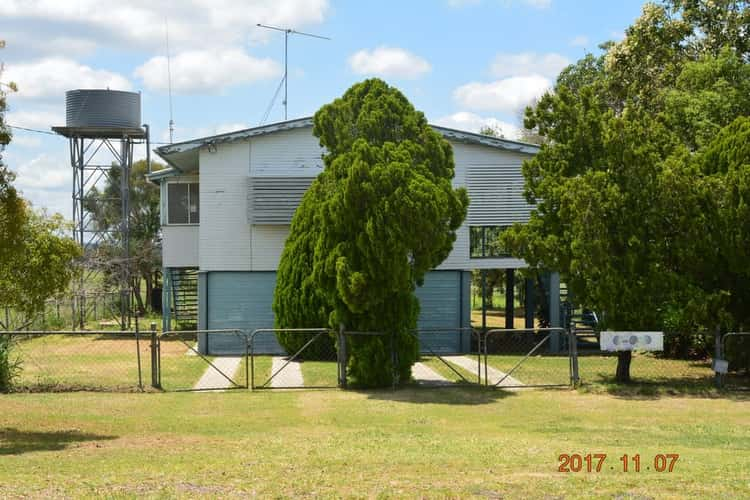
(102, 108)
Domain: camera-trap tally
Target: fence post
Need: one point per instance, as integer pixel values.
(394, 360)
(342, 357)
(718, 355)
(573, 353)
(138, 352)
(247, 359)
(154, 358)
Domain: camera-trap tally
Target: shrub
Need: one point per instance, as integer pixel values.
(9, 366)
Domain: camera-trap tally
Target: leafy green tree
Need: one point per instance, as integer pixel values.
(42, 266)
(381, 214)
(629, 203)
(12, 208)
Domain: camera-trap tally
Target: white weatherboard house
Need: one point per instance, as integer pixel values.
(227, 202)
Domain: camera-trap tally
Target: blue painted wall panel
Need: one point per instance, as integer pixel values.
(243, 299)
(239, 299)
(441, 299)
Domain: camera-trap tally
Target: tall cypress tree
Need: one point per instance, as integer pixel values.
(381, 214)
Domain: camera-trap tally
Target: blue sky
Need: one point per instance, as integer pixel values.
(465, 63)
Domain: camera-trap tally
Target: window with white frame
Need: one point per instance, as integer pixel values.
(183, 203)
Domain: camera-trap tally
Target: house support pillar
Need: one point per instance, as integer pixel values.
(484, 300)
(529, 303)
(166, 300)
(554, 310)
(510, 288)
(202, 312)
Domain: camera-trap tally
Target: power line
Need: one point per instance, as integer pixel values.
(45, 132)
(33, 130)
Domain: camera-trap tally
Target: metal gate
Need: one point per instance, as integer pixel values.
(314, 362)
(438, 366)
(178, 365)
(524, 358)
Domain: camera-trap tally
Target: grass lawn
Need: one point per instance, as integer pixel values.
(319, 373)
(535, 370)
(262, 369)
(101, 362)
(441, 368)
(80, 362)
(414, 442)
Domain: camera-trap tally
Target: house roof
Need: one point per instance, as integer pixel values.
(183, 156)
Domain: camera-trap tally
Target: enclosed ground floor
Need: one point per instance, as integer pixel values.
(243, 300)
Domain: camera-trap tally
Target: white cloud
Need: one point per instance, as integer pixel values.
(206, 70)
(51, 77)
(43, 172)
(507, 95)
(579, 41)
(193, 24)
(24, 140)
(471, 122)
(188, 133)
(528, 63)
(389, 62)
(38, 119)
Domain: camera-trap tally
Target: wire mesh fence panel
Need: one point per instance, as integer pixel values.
(73, 361)
(184, 366)
(293, 358)
(648, 369)
(736, 352)
(100, 310)
(527, 358)
(447, 357)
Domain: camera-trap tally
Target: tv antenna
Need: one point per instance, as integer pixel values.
(285, 79)
(169, 82)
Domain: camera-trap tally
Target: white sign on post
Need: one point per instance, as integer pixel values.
(631, 341)
(721, 366)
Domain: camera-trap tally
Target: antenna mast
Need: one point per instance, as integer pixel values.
(287, 32)
(169, 79)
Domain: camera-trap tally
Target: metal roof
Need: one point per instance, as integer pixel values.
(183, 156)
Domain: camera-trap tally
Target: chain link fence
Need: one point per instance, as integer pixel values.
(100, 310)
(733, 369)
(61, 361)
(294, 358)
(320, 358)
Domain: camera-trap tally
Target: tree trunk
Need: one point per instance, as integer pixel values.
(623, 367)
(137, 293)
(149, 289)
